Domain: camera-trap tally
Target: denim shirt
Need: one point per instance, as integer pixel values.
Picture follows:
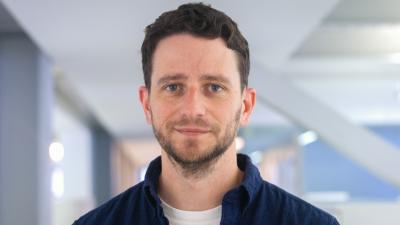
(253, 202)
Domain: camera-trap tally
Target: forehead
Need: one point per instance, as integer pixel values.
(194, 57)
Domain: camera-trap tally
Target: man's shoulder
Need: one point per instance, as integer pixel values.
(113, 209)
(291, 208)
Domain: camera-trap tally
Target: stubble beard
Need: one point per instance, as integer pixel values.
(198, 163)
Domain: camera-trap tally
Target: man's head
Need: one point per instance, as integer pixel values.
(198, 96)
(198, 20)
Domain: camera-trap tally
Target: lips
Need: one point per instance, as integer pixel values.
(192, 131)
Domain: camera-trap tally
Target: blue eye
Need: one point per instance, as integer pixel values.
(215, 88)
(172, 87)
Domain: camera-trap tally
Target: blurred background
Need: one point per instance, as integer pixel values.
(326, 126)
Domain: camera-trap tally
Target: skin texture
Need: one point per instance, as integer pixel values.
(195, 107)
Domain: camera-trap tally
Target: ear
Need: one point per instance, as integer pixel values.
(248, 103)
(144, 96)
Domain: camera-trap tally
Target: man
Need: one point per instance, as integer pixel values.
(196, 67)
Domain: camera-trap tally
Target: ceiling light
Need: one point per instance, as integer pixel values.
(56, 152)
(307, 138)
(57, 183)
(239, 141)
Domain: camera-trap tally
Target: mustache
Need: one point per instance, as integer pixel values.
(190, 121)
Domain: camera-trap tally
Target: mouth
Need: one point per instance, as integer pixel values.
(192, 131)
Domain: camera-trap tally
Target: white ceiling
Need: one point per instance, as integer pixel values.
(339, 52)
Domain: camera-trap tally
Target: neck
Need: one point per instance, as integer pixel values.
(196, 193)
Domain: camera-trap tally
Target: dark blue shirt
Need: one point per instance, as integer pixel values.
(254, 202)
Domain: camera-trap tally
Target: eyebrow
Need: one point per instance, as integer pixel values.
(217, 78)
(172, 77)
(206, 77)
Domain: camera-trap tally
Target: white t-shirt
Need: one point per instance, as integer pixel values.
(181, 217)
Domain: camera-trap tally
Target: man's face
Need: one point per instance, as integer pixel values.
(195, 104)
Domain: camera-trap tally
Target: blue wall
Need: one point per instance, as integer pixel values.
(327, 170)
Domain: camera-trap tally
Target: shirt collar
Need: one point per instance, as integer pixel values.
(251, 181)
(151, 179)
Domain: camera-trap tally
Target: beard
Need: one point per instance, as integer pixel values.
(192, 161)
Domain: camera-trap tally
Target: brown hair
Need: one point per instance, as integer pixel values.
(200, 20)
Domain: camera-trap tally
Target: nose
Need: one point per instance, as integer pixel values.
(194, 103)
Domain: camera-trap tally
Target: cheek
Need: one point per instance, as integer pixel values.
(227, 113)
(161, 114)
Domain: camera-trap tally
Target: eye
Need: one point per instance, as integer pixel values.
(172, 87)
(214, 88)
